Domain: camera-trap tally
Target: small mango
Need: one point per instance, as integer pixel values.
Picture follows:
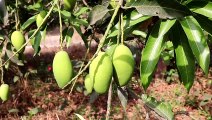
(4, 92)
(17, 39)
(62, 68)
(123, 63)
(101, 71)
(88, 84)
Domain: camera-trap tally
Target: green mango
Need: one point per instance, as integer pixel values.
(17, 39)
(88, 84)
(123, 63)
(62, 68)
(101, 71)
(4, 92)
(40, 17)
(69, 4)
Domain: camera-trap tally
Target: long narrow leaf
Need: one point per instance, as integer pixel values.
(151, 52)
(28, 22)
(205, 23)
(197, 41)
(201, 7)
(184, 57)
(161, 8)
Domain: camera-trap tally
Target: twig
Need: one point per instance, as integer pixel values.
(33, 35)
(99, 46)
(109, 100)
(61, 27)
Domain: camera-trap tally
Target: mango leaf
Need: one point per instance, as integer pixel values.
(28, 22)
(68, 36)
(129, 21)
(33, 111)
(97, 13)
(123, 96)
(161, 8)
(65, 14)
(204, 22)
(14, 59)
(184, 57)
(78, 29)
(164, 109)
(201, 7)
(152, 50)
(81, 11)
(140, 33)
(38, 38)
(197, 41)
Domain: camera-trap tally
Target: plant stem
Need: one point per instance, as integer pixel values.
(61, 26)
(109, 98)
(99, 46)
(33, 35)
(16, 15)
(122, 29)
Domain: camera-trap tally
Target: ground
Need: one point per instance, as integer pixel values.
(37, 96)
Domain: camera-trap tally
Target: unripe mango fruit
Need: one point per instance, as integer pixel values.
(88, 84)
(4, 92)
(101, 71)
(62, 68)
(17, 39)
(123, 63)
(40, 17)
(69, 4)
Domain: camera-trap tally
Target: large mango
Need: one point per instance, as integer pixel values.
(123, 63)
(62, 68)
(101, 71)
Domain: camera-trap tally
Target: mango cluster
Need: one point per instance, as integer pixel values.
(118, 61)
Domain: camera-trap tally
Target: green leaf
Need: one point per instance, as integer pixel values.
(164, 109)
(78, 29)
(139, 33)
(152, 50)
(38, 38)
(28, 22)
(33, 111)
(201, 7)
(14, 59)
(65, 14)
(68, 36)
(82, 10)
(161, 8)
(97, 13)
(129, 21)
(197, 42)
(184, 57)
(204, 22)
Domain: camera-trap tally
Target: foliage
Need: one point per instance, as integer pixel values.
(182, 23)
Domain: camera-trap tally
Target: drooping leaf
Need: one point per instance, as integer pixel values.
(197, 41)
(184, 57)
(152, 50)
(123, 96)
(161, 8)
(204, 22)
(164, 109)
(68, 36)
(201, 7)
(28, 22)
(97, 13)
(38, 38)
(15, 58)
(78, 29)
